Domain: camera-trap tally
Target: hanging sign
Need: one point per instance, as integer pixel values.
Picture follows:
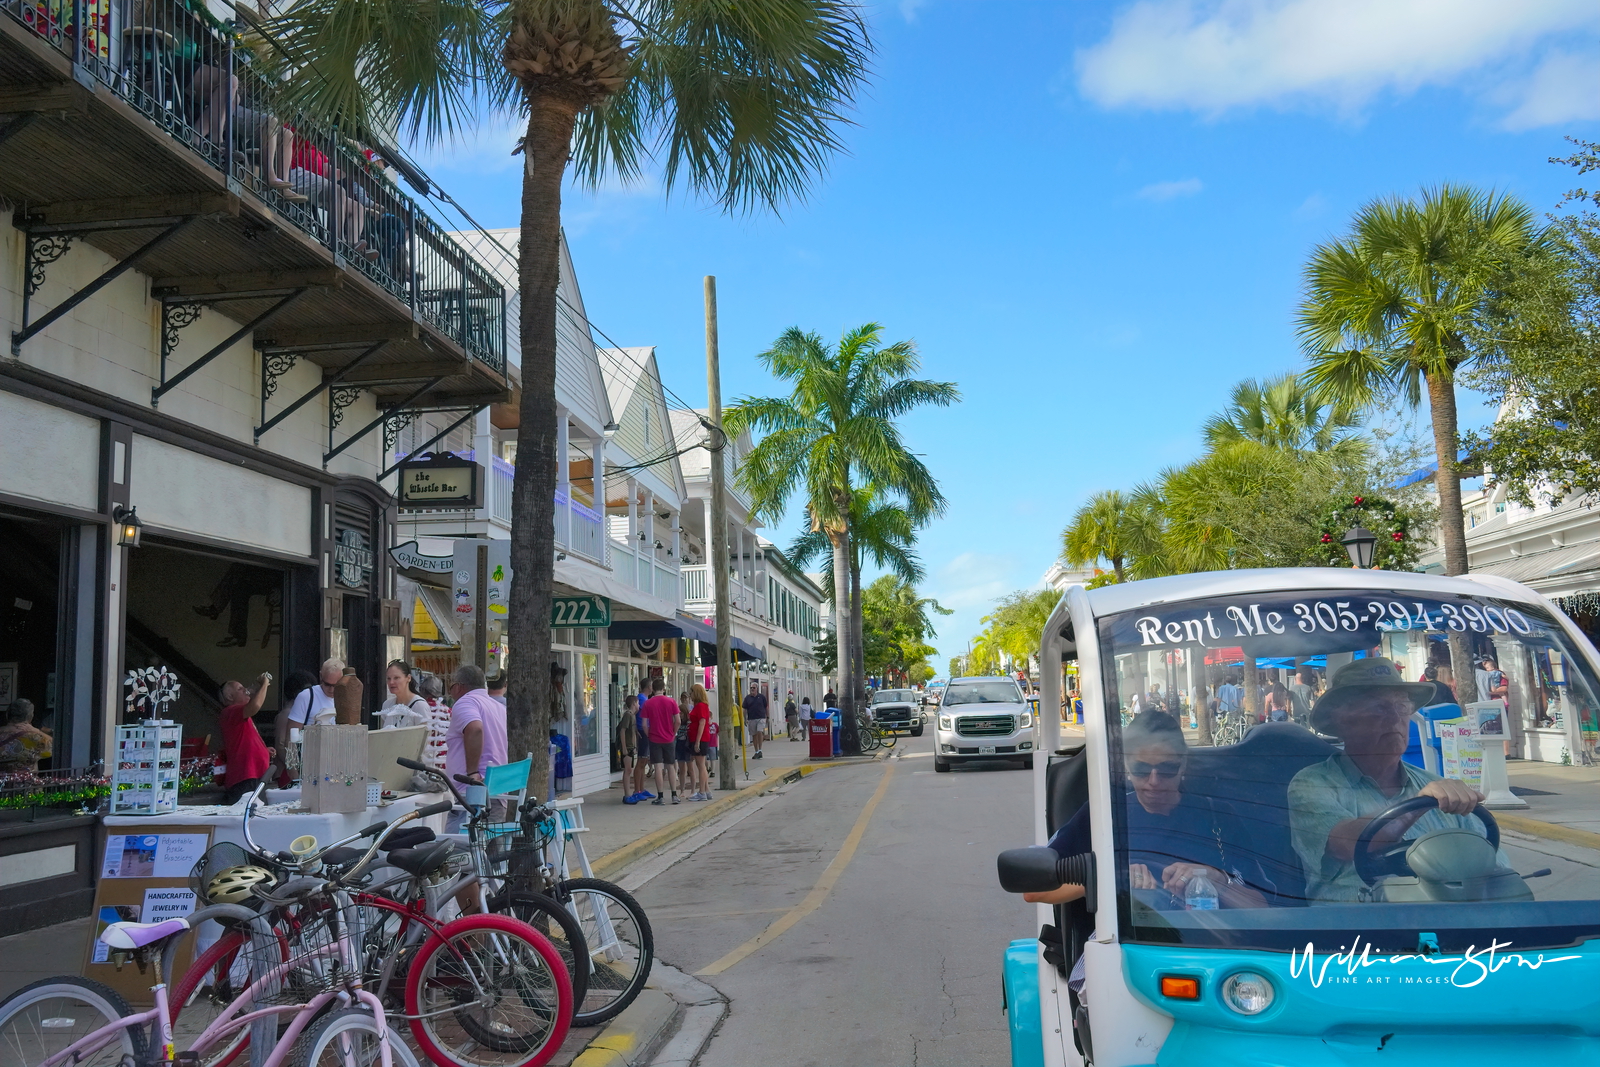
(441, 480)
(580, 611)
(408, 558)
(353, 558)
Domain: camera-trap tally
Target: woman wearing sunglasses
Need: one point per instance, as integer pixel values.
(1173, 837)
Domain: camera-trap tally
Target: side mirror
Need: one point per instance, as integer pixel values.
(1039, 870)
(1029, 870)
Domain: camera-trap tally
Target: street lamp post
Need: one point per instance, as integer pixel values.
(1359, 541)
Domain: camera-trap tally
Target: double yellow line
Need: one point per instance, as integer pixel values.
(819, 892)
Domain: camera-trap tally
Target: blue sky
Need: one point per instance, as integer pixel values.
(1090, 216)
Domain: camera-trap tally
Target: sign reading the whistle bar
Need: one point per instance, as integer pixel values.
(440, 480)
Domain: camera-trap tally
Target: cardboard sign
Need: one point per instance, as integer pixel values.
(144, 877)
(1460, 750)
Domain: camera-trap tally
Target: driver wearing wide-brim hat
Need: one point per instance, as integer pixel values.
(1368, 705)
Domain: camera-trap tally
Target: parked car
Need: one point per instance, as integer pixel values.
(898, 710)
(983, 719)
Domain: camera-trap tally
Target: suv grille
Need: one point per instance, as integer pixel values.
(986, 725)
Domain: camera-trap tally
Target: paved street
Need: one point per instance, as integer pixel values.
(900, 963)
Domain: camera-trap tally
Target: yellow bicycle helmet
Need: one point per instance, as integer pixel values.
(233, 886)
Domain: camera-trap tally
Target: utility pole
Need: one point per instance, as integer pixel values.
(717, 556)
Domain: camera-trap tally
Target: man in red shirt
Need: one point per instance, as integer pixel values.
(661, 723)
(242, 748)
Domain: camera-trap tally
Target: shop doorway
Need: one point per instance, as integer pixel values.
(30, 620)
(210, 619)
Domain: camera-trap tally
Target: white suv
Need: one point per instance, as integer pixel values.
(983, 719)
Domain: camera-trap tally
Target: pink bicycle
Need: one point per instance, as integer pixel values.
(312, 992)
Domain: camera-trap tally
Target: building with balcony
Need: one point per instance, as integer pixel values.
(794, 608)
(218, 314)
(620, 539)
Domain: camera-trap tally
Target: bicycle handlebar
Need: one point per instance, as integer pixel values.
(236, 912)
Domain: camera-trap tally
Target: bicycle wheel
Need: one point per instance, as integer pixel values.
(620, 942)
(489, 991)
(349, 1038)
(556, 923)
(42, 1020)
(212, 982)
(887, 738)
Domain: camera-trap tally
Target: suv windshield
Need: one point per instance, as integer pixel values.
(894, 696)
(995, 692)
(1255, 738)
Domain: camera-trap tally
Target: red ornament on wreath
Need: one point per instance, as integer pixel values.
(1360, 500)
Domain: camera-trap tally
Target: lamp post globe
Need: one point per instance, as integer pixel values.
(1358, 541)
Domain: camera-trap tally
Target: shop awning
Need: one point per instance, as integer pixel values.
(743, 651)
(681, 626)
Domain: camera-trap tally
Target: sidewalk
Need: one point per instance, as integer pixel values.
(1563, 802)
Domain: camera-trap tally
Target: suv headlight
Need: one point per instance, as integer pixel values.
(944, 723)
(1024, 721)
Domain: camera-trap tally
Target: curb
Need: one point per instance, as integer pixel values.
(613, 863)
(1550, 831)
(630, 1038)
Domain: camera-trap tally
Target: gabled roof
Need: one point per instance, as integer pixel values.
(644, 422)
(579, 387)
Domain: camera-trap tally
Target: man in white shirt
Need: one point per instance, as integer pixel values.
(304, 707)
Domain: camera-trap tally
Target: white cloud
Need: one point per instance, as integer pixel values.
(909, 9)
(1565, 87)
(974, 579)
(1159, 191)
(1215, 55)
(485, 149)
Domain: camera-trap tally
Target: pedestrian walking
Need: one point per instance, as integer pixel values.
(791, 717)
(755, 715)
(830, 699)
(476, 740)
(701, 731)
(628, 746)
(661, 727)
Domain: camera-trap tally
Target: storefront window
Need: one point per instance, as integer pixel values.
(586, 705)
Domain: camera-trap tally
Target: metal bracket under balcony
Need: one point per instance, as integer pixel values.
(181, 311)
(389, 439)
(278, 360)
(341, 397)
(44, 243)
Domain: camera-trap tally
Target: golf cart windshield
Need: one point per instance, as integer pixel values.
(995, 692)
(1254, 739)
(893, 696)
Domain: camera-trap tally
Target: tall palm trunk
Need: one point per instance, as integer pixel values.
(533, 491)
(1452, 524)
(858, 640)
(849, 739)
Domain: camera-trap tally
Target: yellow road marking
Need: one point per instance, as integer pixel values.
(819, 892)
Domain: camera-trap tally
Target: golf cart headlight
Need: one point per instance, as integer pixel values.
(1025, 721)
(1247, 993)
(944, 723)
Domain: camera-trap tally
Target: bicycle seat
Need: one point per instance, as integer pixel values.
(126, 936)
(338, 857)
(410, 837)
(423, 860)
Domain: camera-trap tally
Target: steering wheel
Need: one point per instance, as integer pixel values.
(1374, 865)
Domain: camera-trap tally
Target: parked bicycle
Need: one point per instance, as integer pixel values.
(303, 985)
(522, 865)
(481, 990)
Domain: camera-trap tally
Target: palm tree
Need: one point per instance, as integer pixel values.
(741, 102)
(835, 432)
(882, 532)
(1388, 309)
(1121, 528)
(1282, 413)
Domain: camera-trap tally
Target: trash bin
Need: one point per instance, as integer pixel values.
(821, 737)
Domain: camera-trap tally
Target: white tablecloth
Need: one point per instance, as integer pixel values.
(274, 825)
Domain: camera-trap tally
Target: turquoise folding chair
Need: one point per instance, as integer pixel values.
(509, 780)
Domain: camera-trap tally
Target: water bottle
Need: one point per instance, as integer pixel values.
(1200, 894)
